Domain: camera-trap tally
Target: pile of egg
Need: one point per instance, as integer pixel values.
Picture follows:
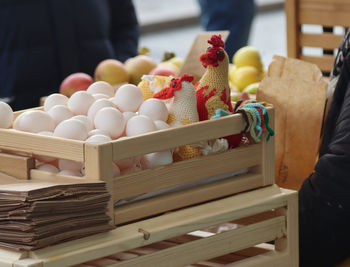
(96, 115)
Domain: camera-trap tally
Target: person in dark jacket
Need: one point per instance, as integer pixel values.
(43, 41)
(324, 198)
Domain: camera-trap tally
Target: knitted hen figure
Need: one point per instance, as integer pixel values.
(183, 109)
(213, 91)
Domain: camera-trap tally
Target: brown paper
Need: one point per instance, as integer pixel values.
(298, 94)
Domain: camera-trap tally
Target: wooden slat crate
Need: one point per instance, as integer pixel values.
(186, 237)
(98, 158)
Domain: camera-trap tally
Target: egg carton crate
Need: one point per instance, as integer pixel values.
(257, 161)
(251, 229)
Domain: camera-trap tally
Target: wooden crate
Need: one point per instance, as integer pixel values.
(184, 237)
(98, 158)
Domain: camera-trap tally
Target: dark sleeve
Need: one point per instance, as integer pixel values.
(124, 29)
(324, 198)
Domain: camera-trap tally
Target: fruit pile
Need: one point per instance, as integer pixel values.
(116, 73)
(246, 72)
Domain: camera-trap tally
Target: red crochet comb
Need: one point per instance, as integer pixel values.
(186, 77)
(216, 41)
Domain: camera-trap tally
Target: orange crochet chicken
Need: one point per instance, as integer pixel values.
(213, 91)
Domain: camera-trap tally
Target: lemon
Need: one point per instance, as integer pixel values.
(248, 56)
(244, 76)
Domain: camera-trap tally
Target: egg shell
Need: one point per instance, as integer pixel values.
(128, 114)
(155, 109)
(97, 105)
(156, 159)
(115, 170)
(60, 113)
(101, 96)
(45, 158)
(48, 168)
(70, 172)
(16, 123)
(128, 98)
(71, 129)
(86, 120)
(101, 87)
(110, 120)
(126, 163)
(80, 102)
(65, 164)
(139, 124)
(161, 125)
(53, 100)
(35, 121)
(97, 131)
(6, 115)
(98, 138)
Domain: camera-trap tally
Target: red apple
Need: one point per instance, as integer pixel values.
(75, 82)
(163, 71)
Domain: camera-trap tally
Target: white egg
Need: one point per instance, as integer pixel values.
(71, 129)
(155, 109)
(71, 173)
(101, 87)
(139, 124)
(153, 160)
(65, 164)
(97, 131)
(128, 114)
(97, 105)
(16, 123)
(161, 125)
(98, 138)
(48, 168)
(115, 170)
(80, 102)
(87, 122)
(111, 121)
(53, 100)
(45, 158)
(6, 115)
(100, 96)
(35, 121)
(60, 113)
(128, 98)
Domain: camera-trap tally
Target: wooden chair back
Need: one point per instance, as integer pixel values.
(328, 20)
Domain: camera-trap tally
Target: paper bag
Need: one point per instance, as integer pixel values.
(298, 93)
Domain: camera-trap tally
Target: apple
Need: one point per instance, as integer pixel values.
(163, 71)
(75, 82)
(112, 71)
(138, 66)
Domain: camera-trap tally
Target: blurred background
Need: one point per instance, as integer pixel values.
(168, 25)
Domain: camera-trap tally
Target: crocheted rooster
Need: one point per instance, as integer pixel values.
(213, 90)
(183, 109)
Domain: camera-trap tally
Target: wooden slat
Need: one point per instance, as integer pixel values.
(325, 63)
(268, 154)
(210, 247)
(292, 28)
(8, 257)
(269, 259)
(17, 166)
(41, 145)
(43, 176)
(177, 136)
(186, 171)
(325, 14)
(163, 227)
(156, 205)
(325, 40)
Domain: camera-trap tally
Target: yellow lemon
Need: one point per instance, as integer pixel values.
(248, 56)
(244, 76)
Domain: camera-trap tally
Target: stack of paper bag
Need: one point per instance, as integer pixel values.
(297, 91)
(35, 215)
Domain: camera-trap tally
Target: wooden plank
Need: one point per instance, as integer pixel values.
(43, 176)
(210, 247)
(98, 166)
(337, 2)
(325, 63)
(17, 166)
(157, 205)
(269, 259)
(42, 145)
(186, 171)
(8, 257)
(325, 40)
(268, 154)
(28, 263)
(177, 136)
(293, 49)
(160, 228)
